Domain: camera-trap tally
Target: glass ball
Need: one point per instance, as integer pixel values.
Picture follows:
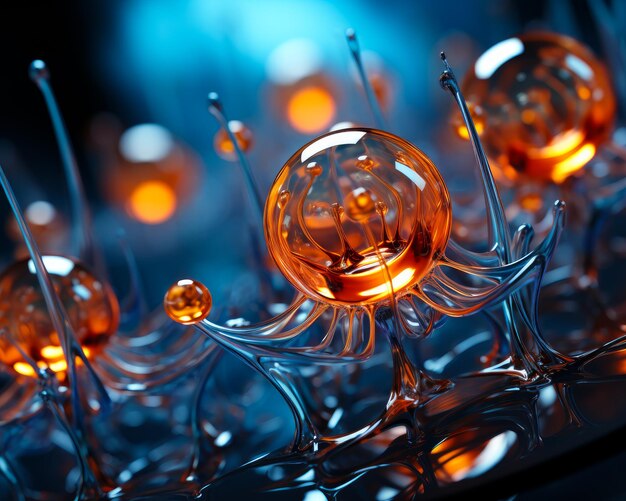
(355, 211)
(544, 102)
(187, 302)
(90, 304)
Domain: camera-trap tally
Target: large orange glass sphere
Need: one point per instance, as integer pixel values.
(91, 306)
(355, 215)
(544, 103)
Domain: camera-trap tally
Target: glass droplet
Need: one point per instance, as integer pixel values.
(187, 302)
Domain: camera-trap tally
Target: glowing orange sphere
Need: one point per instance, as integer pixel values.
(544, 102)
(224, 146)
(311, 109)
(356, 214)
(151, 175)
(91, 306)
(308, 105)
(187, 302)
(152, 202)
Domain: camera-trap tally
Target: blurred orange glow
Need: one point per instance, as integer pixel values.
(51, 351)
(456, 464)
(462, 130)
(152, 202)
(23, 368)
(58, 366)
(531, 202)
(311, 110)
(562, 144)
(584, 93)
(573, 163)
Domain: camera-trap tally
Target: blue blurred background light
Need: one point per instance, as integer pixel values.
(273, 63)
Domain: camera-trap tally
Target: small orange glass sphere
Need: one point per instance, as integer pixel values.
(545, 103)
(90, 304)
(355, 215)
(224, 146)
(187, 302)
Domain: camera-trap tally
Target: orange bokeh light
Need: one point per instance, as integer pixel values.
(24, 369)
(574, 162)
(311, 109)
(152, 202)
(52, 358)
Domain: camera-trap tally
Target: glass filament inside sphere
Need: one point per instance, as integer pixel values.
(188, 301)
(356, 215)
(90, 304)
(545, 103)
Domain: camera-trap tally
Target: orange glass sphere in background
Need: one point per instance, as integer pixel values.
(47, 225)
(90, 304)
(151, 174)
(544, 103)
(187, 302)
(302, 94)
(224, 146)
(356, 214)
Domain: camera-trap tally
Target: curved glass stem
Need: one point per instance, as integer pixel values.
(48, 394)
(217, 110)
(58, 316)
(499, 238)
(134, 307)
(195, 418)
(88, 485)
(305, 432)
(507, 280)
(455, 299)
(372, 101)
(83, 239)
(315, 352)
(12, 479)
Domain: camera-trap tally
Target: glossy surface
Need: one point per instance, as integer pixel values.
(353, 211)
(90, 304)
(187, 302)
(544, 102)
